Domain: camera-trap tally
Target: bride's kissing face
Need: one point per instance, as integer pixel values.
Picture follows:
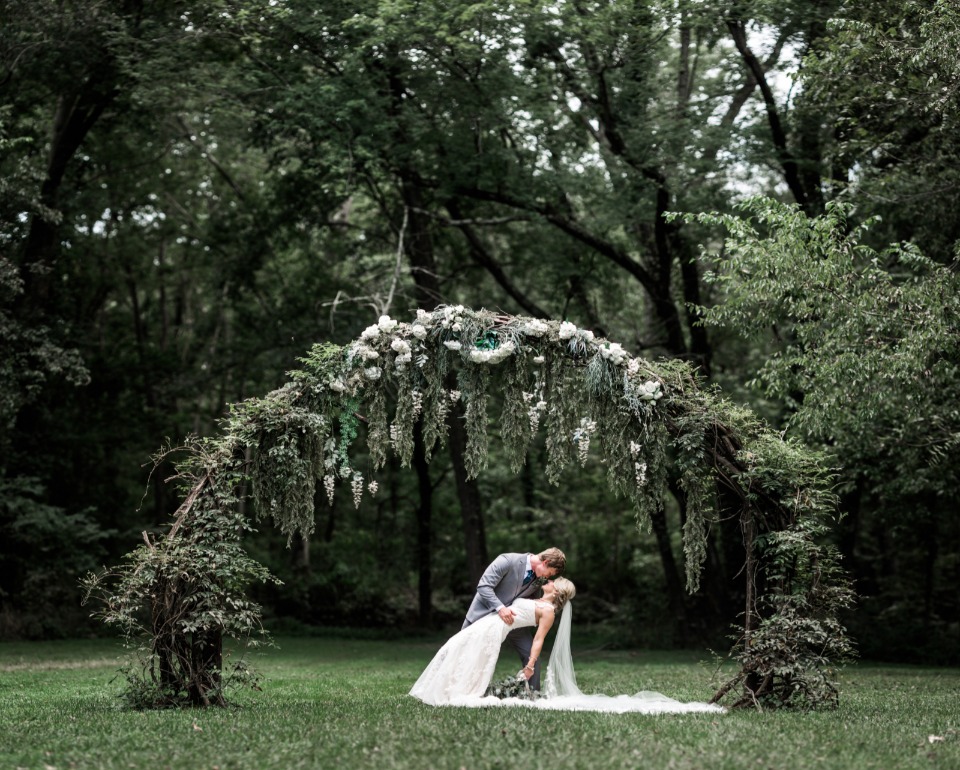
(548, 589)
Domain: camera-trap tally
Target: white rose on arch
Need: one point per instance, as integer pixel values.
(614, 352)
(567, 330)
(536, 328)
(650, 391)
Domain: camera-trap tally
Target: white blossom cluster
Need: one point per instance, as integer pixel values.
(640, 470)
(639, 467)
(356, 485)
(613, 352)
(494, 356)
(535, 410)
(582, 438)
(569, 331)
(373, 486)
(385, 325)
(451, 317)
(536, 328)
(404, 352)
(329, 483)
(650, 391)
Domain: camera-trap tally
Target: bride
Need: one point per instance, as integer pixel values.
(460, 672)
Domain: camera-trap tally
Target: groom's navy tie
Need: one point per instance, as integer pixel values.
(528, 577)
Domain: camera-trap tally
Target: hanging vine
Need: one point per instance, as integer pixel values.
(584, 392)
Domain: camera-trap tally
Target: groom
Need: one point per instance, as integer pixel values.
(514, 576)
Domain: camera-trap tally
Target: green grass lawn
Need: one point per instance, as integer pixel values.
(342, 704)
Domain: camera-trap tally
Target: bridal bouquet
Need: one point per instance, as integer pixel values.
(512, 687)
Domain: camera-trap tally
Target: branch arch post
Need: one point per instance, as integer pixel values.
(181, 594)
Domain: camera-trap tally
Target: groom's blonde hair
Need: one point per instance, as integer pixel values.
(554, 558)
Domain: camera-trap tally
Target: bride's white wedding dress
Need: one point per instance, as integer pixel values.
(460, 672)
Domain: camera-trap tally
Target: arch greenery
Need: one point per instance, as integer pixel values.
(178, 596)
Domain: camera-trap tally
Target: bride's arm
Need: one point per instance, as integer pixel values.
(545, 624)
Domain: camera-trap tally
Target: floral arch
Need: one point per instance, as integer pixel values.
(179, 595)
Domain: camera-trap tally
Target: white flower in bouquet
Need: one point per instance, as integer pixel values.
(419, 331)
(370, 333)
(372, 373)
(452, 345)
(400, 346)
(386, 324)
(337, 386)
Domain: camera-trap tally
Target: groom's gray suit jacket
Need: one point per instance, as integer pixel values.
(500, 584)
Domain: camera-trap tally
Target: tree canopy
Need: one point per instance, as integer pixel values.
(191, 194)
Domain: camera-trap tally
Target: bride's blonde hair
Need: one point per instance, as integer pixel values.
(565, 591)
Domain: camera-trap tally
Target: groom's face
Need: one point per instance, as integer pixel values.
(543, 571)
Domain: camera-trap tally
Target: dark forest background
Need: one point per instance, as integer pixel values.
(193, 193)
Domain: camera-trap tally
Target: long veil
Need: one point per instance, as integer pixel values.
(561, 692)
(561, 678)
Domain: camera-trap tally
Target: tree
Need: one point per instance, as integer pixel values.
(865, 352)
(487, 139)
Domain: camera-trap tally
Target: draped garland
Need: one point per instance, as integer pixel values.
(177, 596)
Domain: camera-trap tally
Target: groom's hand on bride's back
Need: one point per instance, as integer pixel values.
(506, 615)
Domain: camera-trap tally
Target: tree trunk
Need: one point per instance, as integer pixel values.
(207, 661)
(471, 508)
(75, 115)
(419, 248)
(675, 593)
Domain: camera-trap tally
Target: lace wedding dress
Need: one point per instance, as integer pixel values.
(460, 672)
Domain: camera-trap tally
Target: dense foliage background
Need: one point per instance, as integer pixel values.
(194, 193)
